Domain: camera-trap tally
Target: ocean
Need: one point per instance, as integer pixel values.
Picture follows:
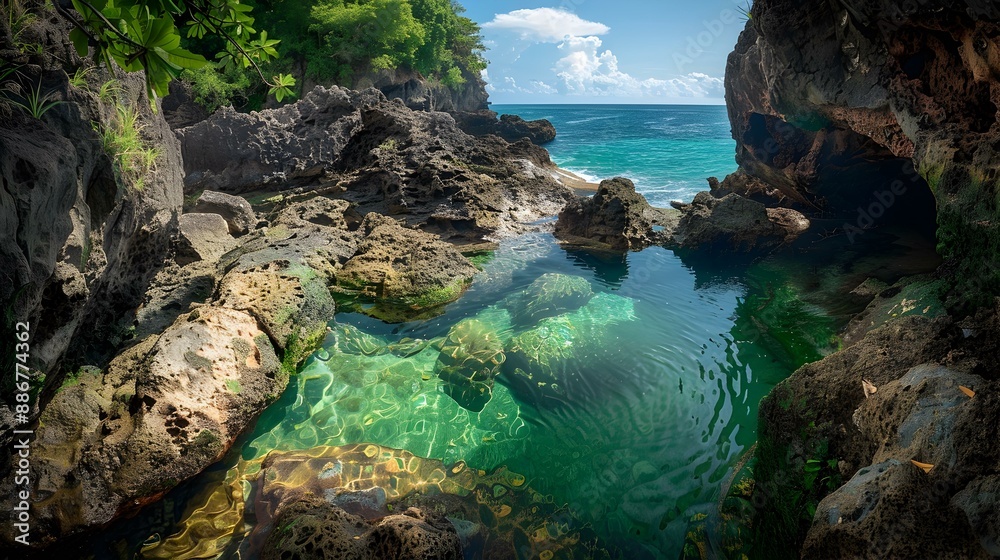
(667, 150)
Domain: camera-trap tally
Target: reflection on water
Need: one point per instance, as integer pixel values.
(621, 392)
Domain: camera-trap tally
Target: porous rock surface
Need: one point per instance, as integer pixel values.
(509, 127)
(172, 404)
(884, 111)
(386, 158)
(616, 218)
(735, 224)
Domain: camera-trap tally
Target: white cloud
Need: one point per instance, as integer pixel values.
(510, 85)
(546, 25)
(585, 71)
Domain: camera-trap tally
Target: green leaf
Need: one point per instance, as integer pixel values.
(80, 41)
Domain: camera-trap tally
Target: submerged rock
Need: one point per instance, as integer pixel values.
(549, 295)
(470, 359)
(551, 363)
(312, 529)
(615, 218)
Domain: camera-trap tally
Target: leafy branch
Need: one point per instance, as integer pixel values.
(144, 36)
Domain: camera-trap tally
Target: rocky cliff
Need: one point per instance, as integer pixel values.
(871, 114)
(79, 244)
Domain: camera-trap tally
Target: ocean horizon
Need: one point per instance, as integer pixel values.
(668, 150)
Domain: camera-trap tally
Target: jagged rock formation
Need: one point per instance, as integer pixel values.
(392, 160)
(615, 218)
(78, 246)
(871, 113)
(509, 127)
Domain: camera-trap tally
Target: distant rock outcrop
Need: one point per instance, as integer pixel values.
(509, 127)
(381, 156)
(615, 218)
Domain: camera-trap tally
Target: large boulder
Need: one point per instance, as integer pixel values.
(161, 413)
(616, 218)
(404, 267)
(237, 212)
(202, 237)
(734, 223)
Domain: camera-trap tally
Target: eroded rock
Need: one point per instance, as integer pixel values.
(237, 212)
(615, 218)
(735, 224)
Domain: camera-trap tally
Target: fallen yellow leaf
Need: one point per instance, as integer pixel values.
(869, 388)
(968, 392)
(922, 466)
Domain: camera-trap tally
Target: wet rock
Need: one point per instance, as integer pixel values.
(549, 295)
(616, 218)
(203, 237)
(237, 212)
(470, 359)
(161, 413)
(404, 267)
(313, 529)
(735, 224)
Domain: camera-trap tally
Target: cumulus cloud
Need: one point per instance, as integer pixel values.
(510, 85)
(546, 25)
(584, 70)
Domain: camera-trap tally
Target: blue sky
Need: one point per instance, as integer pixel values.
(607, 51)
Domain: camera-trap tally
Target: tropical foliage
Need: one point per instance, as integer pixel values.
(338, 41)
(146, 36)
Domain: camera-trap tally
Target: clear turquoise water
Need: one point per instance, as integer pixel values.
(667, 150)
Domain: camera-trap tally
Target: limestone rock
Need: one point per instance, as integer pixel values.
(616, 218)
(416, 165)
(161, 413)
(735, 224)
(203, 237)
(405, 267)
(237, 212)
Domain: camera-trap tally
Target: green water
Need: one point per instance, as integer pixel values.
(657, 380)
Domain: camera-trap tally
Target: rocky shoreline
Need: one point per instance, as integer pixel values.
(175, 313)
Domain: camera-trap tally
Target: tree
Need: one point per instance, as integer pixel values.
(145, 36)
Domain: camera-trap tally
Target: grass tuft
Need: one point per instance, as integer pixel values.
(134, 159)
